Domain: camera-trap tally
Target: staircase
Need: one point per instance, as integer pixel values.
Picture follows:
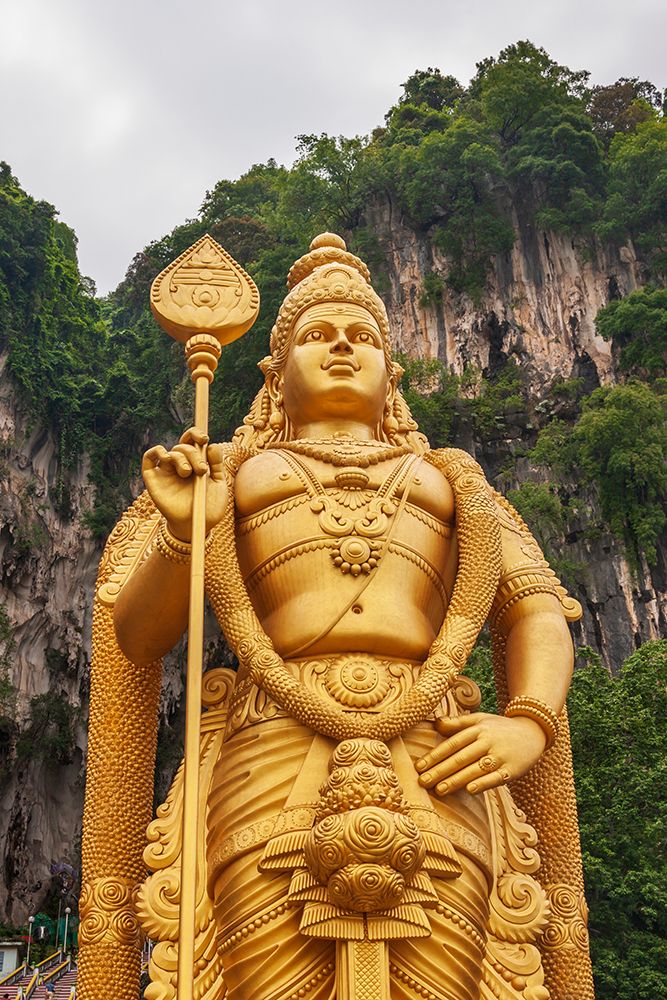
(20, 985)
(33, 985)
(63, 980)
(65, 986)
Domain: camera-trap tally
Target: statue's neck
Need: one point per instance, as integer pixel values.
(319, 429)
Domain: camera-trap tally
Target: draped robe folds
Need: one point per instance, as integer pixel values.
(264, 954)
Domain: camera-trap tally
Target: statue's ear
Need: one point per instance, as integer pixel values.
(274, 387)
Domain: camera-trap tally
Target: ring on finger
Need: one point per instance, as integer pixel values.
(488, 763)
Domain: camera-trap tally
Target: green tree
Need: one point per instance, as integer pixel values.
(325, 189)
(637, 325)
(431, 393)
(559, 160)
(619, 445)
(431, 88)
(448, 181)
(517, 86)
(622, 106)
(425, 106)
(496, 398)
(619, 743)
(636, 205)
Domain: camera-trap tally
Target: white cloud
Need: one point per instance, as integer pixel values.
(124, 114)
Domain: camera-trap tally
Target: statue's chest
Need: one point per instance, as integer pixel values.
(350, 516)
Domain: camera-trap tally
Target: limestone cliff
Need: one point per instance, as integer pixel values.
(539, 306)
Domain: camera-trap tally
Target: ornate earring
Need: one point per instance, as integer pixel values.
(389, 422)
(277, 418)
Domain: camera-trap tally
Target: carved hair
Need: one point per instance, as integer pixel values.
(328, 273)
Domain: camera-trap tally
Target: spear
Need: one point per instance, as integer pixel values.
(204, 299)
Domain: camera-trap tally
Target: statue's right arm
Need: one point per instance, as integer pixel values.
(151, 612)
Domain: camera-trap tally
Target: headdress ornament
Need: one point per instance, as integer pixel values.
(327, 273)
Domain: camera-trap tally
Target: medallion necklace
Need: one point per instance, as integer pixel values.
(356, 517)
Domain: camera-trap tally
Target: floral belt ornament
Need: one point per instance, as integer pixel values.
(364, 868)
(357, 682)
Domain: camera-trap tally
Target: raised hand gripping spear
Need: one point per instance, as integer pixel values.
(204, 299)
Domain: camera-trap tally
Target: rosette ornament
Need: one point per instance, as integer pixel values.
(364, 854)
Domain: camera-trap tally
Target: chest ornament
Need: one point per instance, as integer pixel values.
(357, 517)
(343, 451)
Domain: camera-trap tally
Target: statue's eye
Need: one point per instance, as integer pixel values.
(314, 335)
(365, 337)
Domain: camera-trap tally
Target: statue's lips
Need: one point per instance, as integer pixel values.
(340, 363)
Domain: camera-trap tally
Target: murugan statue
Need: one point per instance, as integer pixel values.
(359, 838)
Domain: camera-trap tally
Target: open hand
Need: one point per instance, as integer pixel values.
(168, 476)
(481, 751)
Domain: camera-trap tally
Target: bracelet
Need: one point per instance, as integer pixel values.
(173, 548)
(539, 712)
(170, 547)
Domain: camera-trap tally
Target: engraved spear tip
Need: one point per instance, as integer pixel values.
(205, 291)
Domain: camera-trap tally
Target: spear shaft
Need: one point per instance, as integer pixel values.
(203, 299)
(202, 352)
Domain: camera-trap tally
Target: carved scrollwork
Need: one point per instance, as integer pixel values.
(107, 912)
(158, 898)
(519, 909)
(569, 918)
(128, 543)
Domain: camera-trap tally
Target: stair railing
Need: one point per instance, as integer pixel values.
(12, 978)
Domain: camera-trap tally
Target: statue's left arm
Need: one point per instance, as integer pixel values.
(481, 750)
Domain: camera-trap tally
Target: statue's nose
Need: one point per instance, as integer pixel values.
(341, 344)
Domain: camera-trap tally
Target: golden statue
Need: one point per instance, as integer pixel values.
(357, 836)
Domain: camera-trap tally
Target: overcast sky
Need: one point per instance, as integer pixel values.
(124, 113)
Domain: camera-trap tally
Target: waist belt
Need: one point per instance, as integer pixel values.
(359, 683)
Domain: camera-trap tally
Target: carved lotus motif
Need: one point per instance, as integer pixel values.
(357, 682)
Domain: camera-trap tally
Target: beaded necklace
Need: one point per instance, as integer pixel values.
(344, 451)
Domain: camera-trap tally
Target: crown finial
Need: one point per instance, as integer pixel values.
(328, 240)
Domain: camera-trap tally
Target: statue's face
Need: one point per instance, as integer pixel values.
(336, 366)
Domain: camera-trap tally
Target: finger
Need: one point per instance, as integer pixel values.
(153, 457)
(194, 456)
(453, 765)
(159, 457)
(446, 726)
(446, 748)
(487, 781)
(469, 775)
(193, 436)
(215, 454)
(178, 463)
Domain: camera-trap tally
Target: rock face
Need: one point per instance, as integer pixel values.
(539, 306)
(48, 569)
